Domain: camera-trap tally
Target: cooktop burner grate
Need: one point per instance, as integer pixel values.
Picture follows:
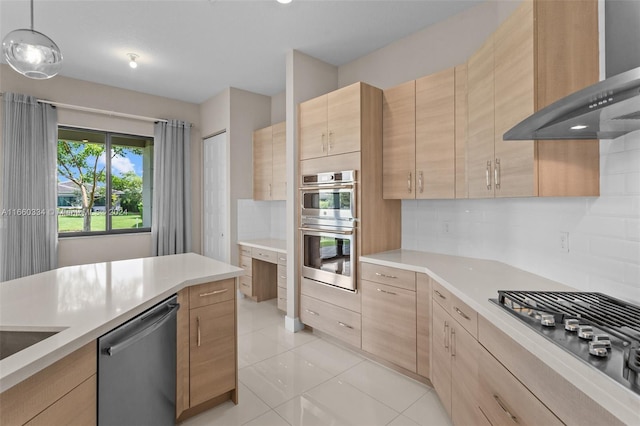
(615, 315)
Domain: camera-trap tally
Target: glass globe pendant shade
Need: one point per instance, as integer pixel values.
(32, 54)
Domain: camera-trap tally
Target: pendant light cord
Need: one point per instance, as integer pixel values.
(31, 15)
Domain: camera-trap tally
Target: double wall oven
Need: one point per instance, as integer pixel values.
(328, 228)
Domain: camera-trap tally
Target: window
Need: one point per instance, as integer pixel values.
(100, 193)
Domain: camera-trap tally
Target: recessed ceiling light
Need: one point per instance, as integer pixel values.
(579, 127)
(132, 60)
(284, 1)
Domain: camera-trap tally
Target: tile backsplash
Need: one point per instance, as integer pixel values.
(261, 219)
(603, 232)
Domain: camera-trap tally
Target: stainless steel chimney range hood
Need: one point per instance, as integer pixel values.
(605, 110)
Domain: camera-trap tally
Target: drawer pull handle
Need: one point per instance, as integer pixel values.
(282, 258)
(387, 292)
(462, 314)
(341, 324)
(198, 325)
(284, 277)
(440, 295)
(244, 284)
(211, 293)
(504, 408)
(385, 275)
(282, 298)
(312, 312)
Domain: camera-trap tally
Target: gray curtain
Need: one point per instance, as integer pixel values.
(28, 222)
(171, 217)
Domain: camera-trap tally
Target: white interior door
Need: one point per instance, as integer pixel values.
(216, 199)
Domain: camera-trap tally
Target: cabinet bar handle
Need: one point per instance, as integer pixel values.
(496, 173)
(488, 174)
(269, 190)
(329, 141)
(211, 293)
(462, 314)
(198, 325)
(409, 182)
(312, 312)
(453, 342)
(440, 295)
(420, 182)
(341, 324)
(282, 298)
(322, 141)
(504, 408)
(387, 292)
(244, 284)
(446, 327)
(284, 277)
(385, 276)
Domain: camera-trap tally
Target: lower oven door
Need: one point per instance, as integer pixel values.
(329, 257)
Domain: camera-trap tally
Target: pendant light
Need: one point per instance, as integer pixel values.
(32, 53)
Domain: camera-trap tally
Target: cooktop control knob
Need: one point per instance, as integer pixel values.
(547, 320)
(585, 332)
(598, 348)
(603, 339)
(571, 325)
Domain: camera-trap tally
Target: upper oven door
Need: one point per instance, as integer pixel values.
(329, 202)
(329, 256)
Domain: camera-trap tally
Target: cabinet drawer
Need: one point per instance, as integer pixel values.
(245, 263)
(282, 259)
(389, 323)
(441, 295)
(282, 281)
(282, 298)
(390, 276)
(78, 407)
(215, 292)
(246, 286)
(282, 272)
(342, 298)
(264, 255)
(466, 317)
(338, 322)
(504, 400)
(245, 251)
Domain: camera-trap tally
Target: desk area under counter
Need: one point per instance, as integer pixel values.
(265, 264)
(505, 370)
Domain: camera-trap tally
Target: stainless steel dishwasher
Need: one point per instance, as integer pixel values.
(137, 369)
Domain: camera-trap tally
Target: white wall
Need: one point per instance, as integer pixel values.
(261, 219)
(604, 232)
(279, 107)
(78, 250)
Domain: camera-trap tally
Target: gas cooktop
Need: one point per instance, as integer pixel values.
(600, 330)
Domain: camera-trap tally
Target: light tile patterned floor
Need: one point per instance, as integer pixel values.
(301, 380)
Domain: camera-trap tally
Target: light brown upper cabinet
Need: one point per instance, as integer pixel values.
(521, 69)
(330, 124)
(419, 137)
(269, 173)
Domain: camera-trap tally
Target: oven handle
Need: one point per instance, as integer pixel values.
(327, 186)
(326, 231)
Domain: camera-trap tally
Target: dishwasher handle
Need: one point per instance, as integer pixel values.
(114, 349)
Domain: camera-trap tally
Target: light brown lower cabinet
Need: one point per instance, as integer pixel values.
(506, 401)
(63, 393)
(454, 371)
(207, 347)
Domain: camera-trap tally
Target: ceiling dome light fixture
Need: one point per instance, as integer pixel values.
(132, 60)
(284, 1)
(32, 53)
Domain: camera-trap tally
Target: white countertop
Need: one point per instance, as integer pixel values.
(279, 246)
(474, 281)
(87, 301)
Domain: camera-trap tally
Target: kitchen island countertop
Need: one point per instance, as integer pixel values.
(83, 302)
(475, 281)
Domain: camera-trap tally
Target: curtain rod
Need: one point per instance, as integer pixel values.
(99, 111)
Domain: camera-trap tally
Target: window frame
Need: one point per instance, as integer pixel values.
(108, 205)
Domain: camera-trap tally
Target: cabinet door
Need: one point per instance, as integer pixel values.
(389, 323)
(313, 128)
(515, 163)
(212, 351)
(399, 141)
(480, 146)
(344, 112)
(435, 135)
(423, 326)
(441, 355)
(464, 377)
(279, 169)
(262, 161)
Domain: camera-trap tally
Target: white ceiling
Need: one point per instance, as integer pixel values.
(193, 49)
